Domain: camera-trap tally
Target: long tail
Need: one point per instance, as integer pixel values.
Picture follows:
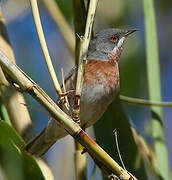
(38, 146)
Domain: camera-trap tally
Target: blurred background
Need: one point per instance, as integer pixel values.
(110, 13)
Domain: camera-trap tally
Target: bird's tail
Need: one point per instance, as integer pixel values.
(38, 146)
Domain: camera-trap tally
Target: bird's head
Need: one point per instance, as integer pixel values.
(107, 42)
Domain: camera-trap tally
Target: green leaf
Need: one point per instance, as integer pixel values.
(14, 160)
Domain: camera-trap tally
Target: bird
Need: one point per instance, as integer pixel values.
(99, 89)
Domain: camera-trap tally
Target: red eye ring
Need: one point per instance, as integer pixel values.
(113, 39)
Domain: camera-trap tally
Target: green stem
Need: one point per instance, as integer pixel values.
(144, 102)
(79, 23)
(154, 86)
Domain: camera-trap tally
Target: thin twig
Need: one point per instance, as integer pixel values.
(82, 57)
(44, 47)
(144, 102)
(80, 14)
(84, 42)
(117, 145)
(65, 30)
(36, 108)
(64, 90)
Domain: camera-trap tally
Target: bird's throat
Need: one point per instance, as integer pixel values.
(116, 52)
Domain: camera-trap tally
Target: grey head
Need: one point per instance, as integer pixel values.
(106, 43)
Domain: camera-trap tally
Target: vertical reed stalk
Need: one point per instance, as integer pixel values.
(154, 85)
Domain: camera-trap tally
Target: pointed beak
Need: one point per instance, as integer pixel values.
(129, 32)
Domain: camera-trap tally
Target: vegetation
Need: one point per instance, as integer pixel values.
(144, 155)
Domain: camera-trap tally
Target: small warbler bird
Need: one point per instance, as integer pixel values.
(100, 86)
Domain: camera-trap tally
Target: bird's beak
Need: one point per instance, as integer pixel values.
(129, 32)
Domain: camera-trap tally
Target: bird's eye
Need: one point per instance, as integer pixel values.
(113, 39)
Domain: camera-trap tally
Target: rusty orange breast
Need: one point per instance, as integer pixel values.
(105, 73)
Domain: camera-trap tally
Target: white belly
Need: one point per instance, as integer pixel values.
(93, 104)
